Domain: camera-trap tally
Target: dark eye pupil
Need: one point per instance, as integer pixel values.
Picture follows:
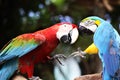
(88, 21)
(64, 25)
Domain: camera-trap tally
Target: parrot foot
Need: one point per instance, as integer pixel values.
(79, 52)
(35, 78)
(57, 58)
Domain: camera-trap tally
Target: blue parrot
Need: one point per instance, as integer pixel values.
(107, 40)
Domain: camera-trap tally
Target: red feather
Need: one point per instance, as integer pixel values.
(27, 62)
(40, 54)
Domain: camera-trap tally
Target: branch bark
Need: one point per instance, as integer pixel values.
(107, 5)
(96, 76)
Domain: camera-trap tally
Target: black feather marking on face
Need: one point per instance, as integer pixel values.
(83, 30)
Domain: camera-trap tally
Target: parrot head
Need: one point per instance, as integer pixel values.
(90, 24)
(67, 33)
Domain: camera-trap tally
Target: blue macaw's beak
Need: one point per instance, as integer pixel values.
(83, 30)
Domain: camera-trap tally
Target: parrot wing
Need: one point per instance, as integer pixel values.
(113, 63)
(111, 57)
(20, 46)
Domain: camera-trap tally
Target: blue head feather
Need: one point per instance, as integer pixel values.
(96, 18)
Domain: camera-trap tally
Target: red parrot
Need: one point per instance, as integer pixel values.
(26, 50)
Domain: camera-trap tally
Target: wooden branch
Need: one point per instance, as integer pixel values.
(96, 76)
(107, 5)
(19, 77)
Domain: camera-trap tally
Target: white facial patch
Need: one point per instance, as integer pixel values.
(89, 24)
(74, 35)
(93, 28)
(64, 30)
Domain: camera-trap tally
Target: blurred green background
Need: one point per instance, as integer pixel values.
(24, 16)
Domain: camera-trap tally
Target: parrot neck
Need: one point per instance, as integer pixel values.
(49, 33)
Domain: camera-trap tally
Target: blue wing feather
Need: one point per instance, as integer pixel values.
(18, 47)
(8, 69)
(112, 63)
(110, 52)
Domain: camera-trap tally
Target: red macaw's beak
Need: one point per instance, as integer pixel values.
(71, 37)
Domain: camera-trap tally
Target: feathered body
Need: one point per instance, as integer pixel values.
(26, 50)
(39, 54)
(107, 40)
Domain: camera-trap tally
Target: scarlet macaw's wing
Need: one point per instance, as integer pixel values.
(20, 46)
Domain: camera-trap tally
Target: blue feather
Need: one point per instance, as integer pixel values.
(21, 49)
(8, 68)
(10, 54)
(110, 52)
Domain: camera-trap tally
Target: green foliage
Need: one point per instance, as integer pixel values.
(59, 4)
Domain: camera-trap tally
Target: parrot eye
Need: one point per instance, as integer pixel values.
(64, 25)
(89, 23)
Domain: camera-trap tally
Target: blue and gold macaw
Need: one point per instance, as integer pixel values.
(107, 40)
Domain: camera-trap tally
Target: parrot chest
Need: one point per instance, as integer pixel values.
(102, 38)
(27, 62)
(45, 50)
(40, 53)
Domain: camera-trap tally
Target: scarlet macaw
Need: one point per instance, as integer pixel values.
(69, 68)
(107, 40)
(26, 50)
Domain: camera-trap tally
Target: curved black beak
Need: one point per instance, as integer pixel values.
(83, 30)
(66, 39)
(69, 37)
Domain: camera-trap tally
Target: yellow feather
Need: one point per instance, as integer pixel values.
(97, 22)
(92, 49)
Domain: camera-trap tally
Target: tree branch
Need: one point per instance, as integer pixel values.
(96, 76)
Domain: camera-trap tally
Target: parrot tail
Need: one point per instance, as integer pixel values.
(8, 68)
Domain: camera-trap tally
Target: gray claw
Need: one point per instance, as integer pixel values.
(79, 52)
(60, 56)
(57, 58)
(35, 78)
